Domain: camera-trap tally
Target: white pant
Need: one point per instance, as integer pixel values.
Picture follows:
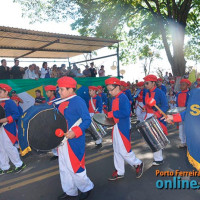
(138, 111)
(120, 153)
(8, 152)
(54, 151)
(71, 181)
(158, 154)
(182, 135)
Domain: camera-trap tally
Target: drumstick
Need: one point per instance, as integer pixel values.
(161, 111)
(140, 106)
(4, 99)
(152, 102)
(60, 133)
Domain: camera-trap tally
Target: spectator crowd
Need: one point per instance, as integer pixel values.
(34, 72)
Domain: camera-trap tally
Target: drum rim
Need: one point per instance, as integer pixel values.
(102, 123)
(142, 123)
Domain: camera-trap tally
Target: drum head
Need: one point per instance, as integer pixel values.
(102, 119)
(2, 114)
(176, 110)
(42, 127)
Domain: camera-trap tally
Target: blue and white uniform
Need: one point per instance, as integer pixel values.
(72, 152)
(121, 134)
(161, 102)
(181, 101)
(8, 136)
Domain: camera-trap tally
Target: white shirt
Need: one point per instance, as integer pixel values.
(43, 72)
(101, 72)
(29, 74)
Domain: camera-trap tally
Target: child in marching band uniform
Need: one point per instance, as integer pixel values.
(50, 92)
(198, 83)
(95, 106)
(72, 153)
(51, 95)
(171, 99)
(121, 132)
(161, 86)
(8, 137)
(127, 92)
(181, 101)
(139, 102)
(17, 100)
(161, 101)
(103, 98)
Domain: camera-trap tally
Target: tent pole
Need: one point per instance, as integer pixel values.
(69, 62)
(118, 71)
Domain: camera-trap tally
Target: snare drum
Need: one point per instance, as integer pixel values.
(176, 110)
(153, 134)
(102, 119)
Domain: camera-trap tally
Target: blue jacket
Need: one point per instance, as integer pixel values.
(74, 109)
(12, 114)
(121, 109)
(163, 88)
(104, 100)
(128, 94)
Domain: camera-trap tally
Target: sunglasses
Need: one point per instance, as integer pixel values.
(146, 83)
(111, 89)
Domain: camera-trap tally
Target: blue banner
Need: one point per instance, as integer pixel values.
(192, 128)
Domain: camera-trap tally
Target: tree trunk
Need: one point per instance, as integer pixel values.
(179, 62)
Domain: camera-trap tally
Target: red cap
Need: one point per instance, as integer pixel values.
(16, 98)
(198, 79)
(186, 81)
(5, 87)
(141, 83)
(50, 87)
(123, 83)
(67, 82)
(112, 81)
(160, 79)
(93, 88)
(99, 87)
(172, 82)
(150, 77)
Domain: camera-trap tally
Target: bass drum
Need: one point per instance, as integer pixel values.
(42, 127)
(37, 126)
(2, 114)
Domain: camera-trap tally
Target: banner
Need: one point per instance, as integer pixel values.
(25, 88)
(192, 126)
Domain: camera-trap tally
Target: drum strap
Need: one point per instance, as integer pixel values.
(77, 123)
(92, 103)
(62, 100)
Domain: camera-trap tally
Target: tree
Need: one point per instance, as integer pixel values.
(145, 20)
(148, 56)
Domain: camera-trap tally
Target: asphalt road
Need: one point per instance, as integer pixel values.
(40, 179)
